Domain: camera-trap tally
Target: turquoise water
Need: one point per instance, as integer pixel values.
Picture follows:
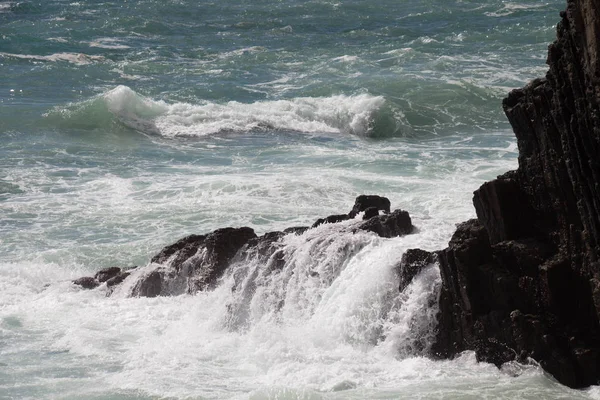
(127, 125)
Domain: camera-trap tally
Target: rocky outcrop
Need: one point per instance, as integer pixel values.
(397, 223)
(369, 205)
(523, 279)
(364, 202)
(193, 263)
(196, 262)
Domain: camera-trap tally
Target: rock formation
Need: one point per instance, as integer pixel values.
(196, 262)
(523, 279)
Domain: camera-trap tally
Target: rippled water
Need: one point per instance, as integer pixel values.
(127, 125)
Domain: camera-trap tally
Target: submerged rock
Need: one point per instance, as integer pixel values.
(523, 280)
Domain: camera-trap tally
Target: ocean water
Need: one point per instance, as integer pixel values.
(126, 125)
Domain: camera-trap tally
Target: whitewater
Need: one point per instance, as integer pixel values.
(125, 126)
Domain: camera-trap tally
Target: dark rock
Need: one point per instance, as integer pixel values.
(370, 213)
(150, 285)
(107, 273)
(363, 202)
(494, 352)
(397, 223)
(183, 249)
(523, 280)
(117, 279)
(412, 262)
(332, 219)
(267, 249)
(298, 230)
(87, 282)
(502, 209)
(194, 263)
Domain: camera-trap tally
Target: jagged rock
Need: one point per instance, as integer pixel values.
(412, 262)
(183, 248)
(332, 219)
(298, 230)
(370, 213)
(87, 282)
(523, 280)
(107, 273)
(117, 279)
(397, 223)
(267, 249)
(370, 204)
(363, 202)
(194, 263)
(150, 286)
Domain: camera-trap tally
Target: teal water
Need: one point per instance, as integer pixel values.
(127, 125)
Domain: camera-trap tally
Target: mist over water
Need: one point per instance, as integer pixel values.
(128, 125)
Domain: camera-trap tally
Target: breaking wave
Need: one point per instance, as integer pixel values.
(361, 115)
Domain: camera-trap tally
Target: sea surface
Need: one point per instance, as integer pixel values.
(126, 125)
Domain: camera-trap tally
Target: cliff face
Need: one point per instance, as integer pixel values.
(523, 279)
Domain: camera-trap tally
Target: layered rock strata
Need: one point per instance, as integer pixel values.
(522, 281)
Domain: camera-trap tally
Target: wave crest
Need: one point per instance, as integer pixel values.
(355, 115)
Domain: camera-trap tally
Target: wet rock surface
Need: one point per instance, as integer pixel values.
(412, 262)
(523, 279)
(196, 262)
(397, 223)
(86, 282)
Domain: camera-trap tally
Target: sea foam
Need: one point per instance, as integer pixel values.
(335, 114)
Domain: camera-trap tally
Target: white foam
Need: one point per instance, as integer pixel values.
(335, 114)
(108, 43)
(74, 58)
(346, 59)
(5, 7)
(134, 110)
(511, 8)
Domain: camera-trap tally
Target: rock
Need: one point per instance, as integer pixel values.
(397, 223)
(150, 285)
(117, 279)
(363, 202)
(183, 249)
(332, 219)
(193, 263)
(267, 249)
(502, 209)
(522, 280)
(298, 230)
(370, 204)
(370, 213)
(87, 282)
(107, 273)
(196, 262)
(412, 262)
